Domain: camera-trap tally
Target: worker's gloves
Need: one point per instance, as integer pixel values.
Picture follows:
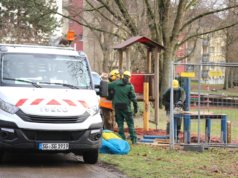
(135, 111)
(135, 108)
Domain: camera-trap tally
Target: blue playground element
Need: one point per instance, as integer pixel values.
(185, 83)
(151, 138)
(186, 87)
(146, 140)
(187, 125)
(156, 136)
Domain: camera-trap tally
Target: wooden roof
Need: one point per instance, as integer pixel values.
(141, 39)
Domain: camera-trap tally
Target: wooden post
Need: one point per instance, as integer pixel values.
(128, 60)
(156, 87)
(120, 59)
(148, 60)
(228, 131)
(149, 79)
(146, 106)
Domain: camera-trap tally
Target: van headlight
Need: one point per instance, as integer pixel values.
(93, 110)
(12, 109)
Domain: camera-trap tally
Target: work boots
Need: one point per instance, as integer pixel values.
(167, 128)
(134, 141)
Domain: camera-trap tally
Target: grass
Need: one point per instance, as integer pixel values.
(147, 161)
(152, 161)
(215, 89)
(232, 115)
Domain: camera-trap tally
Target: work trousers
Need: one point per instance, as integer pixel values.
(121, 116)
(179, 124)
(108, 118)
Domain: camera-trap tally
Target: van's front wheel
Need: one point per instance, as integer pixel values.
(1, 155)
(90, 157)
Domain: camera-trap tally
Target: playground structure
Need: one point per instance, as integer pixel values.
(150, 87)
(207, 107)
(199, 105)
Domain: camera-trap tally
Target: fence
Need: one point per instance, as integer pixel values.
(211, 112)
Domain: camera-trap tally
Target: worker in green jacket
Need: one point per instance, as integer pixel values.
(122, 93)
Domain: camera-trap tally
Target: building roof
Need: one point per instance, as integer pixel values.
(141, 39)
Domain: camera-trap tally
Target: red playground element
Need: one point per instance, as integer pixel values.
(137, 81)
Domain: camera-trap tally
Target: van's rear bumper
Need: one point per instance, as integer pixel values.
(12, 138)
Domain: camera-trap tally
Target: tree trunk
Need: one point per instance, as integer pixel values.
(106, 56)
(227, 71)
(168, 55)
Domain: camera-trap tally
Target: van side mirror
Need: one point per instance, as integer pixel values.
(103, 91)
(97, 89)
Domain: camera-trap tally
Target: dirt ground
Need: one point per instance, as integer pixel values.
(111, 168)
(140, 133)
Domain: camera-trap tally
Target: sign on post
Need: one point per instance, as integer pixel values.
(189, 72)
(70, 36)
(213, 73)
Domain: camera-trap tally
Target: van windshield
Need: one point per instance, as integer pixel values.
(45, 70)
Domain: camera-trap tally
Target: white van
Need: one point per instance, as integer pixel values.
(48, 101)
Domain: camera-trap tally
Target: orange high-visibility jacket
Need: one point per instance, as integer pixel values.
(105, 103)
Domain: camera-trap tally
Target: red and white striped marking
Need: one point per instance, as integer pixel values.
(38, 101)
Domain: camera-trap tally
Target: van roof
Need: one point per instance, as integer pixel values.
(17, 48)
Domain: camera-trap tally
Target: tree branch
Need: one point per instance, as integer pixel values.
(191, 3)
(177, 22)
(110, 11)
(154, 26)
(128, 20)
(87, 25)
(164, 7)
(190, 53)
(206, 14)
(80, 23)
(108, 19)
(208, 32)
(93, 8)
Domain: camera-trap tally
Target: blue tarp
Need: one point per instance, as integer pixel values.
(113, 144)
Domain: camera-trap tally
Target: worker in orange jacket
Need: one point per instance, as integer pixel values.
(106, 105)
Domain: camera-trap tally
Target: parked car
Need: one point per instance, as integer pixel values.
(96, 81)
(96, 78)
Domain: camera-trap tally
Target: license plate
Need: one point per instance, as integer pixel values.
(53, 146)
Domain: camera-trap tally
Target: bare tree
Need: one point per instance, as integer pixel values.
(162, 20)
(231, 53)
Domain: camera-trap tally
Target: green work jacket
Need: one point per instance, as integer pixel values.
(122, 95)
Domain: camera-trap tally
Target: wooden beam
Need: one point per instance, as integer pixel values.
(148, 59)
(146, 106)
(128, 60)
(120, 59)
(156, 87)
